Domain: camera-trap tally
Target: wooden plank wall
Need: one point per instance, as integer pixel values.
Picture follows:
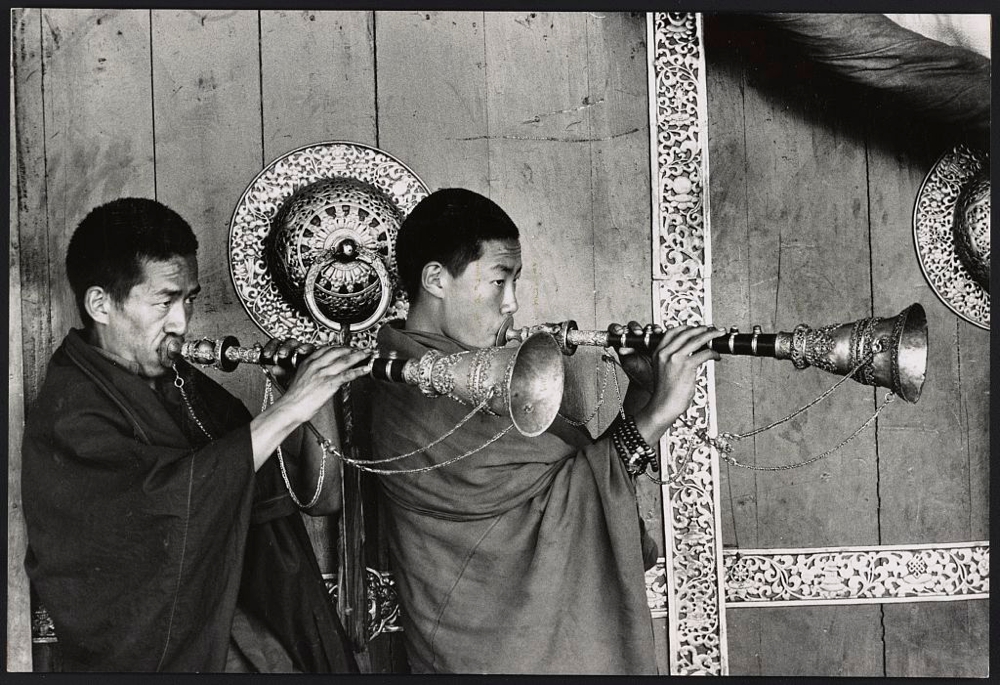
(546, 113)
(18, 591)
(812, 198)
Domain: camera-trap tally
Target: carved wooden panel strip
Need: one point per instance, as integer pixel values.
(681, 295)
(885, 574)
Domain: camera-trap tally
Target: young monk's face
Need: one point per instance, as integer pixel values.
(157, 308)
(477, 301)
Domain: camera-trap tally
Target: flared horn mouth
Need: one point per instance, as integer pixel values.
(536, 384)
(909, 350)
(889, 353)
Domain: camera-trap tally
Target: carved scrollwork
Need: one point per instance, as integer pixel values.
(383, 602)
(857, 575)
(934, 236)
(372, 183)
(43, 630)
(691, 587)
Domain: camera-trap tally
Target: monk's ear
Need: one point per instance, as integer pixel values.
(97, 302)
(433, 278)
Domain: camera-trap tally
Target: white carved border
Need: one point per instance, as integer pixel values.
(681, 295)
(857, 575)
(821, 576)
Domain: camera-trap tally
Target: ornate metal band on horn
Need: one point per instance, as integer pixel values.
(524, 382)
(896, 347)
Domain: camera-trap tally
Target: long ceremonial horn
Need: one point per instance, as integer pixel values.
(525, 382)
(895, 348)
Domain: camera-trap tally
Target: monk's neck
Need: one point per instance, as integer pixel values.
(424, 318)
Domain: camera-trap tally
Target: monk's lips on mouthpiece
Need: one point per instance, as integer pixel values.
(171, 348)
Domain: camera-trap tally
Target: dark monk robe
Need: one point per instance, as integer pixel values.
(525, 557)
(146, 538)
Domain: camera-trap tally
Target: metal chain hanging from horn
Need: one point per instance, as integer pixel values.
(523, 382)
(890, 353)
(900, 365)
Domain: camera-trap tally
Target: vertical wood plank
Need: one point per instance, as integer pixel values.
(809, 245)
(735, 377)
(805, 259)
(620, 184)
(18, 591)
(924, 448)
(432, 96)
(32, 224)
(206, 80)
(98, 126)
(934, 455)
(814, 641)
(974, 366)
(317, 80)
(732, 281)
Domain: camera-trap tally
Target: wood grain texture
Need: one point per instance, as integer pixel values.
(806, 641)
(937, 639)
(432, 96)
(790, 245)
(98, 126)
(807, 221)
(735, 377)
(934, 455)
(317, 79)
(974, 365)
(18, 649)
(540, 156)
(924, 448)
(28, 148)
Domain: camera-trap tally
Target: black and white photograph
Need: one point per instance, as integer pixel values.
(499, 341)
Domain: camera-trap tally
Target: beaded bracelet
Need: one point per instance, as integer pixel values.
(632, 448)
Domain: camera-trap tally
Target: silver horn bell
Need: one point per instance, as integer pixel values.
(887, 352)
(524, 382)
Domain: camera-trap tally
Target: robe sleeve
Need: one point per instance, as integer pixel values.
(135, 548)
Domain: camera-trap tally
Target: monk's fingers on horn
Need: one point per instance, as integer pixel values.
(676, 337)
(336, 360)
(699, 358)
(701, 338)
(286, 348)
(270, 347)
